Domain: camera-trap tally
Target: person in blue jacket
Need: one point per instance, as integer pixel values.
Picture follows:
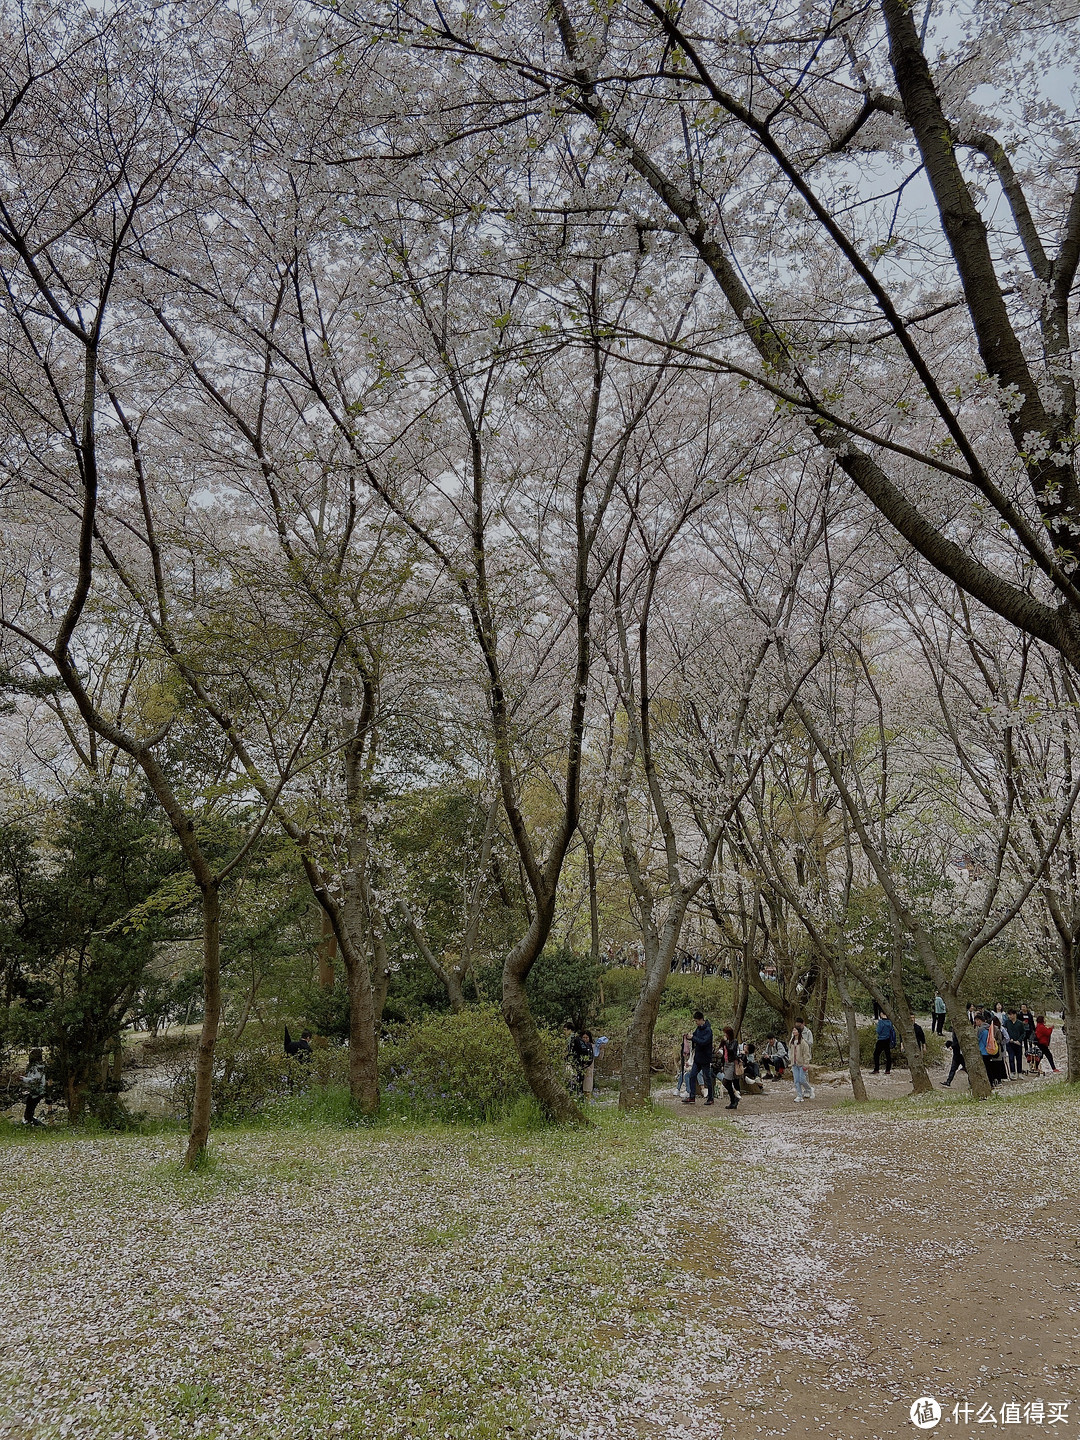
(702, 1042)
(886, 1039)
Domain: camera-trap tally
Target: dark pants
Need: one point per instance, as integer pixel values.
(32, 1102)
(1045, 1050)
(957, 1063)
(883, 1047)
(1015, 1052)
(704, 1069)
(988, 1061)
(732, 1092)
(938, 1027)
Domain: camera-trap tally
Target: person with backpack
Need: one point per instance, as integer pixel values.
(990, 1046)
(33, 1083)
(886, 1039)
(702, 1042)
(1043, 1033)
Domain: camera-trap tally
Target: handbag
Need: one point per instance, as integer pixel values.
(991, 1040)
(740, 1069)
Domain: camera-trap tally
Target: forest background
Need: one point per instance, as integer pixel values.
(488, 495)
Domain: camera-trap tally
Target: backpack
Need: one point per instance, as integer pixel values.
(991, 1040)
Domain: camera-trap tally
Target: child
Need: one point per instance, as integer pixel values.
(34, 1085)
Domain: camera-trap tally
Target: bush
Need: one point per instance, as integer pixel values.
(456, 1068)
(251, 1079)
(935, 1048)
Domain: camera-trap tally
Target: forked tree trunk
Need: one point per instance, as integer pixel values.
(202, 1104)
(635, 1085)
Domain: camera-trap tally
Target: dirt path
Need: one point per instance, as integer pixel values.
(932, 1248)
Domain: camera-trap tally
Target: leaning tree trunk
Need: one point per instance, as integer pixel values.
(202, 1104)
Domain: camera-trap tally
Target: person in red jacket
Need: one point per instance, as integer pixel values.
(1042, 1040)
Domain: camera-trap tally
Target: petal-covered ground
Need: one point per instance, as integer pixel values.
(668, 1277)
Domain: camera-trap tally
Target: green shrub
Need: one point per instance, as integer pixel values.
(621, 985)
(711, 993)
(249, 1079)
(935, 1048)
(456, 1068)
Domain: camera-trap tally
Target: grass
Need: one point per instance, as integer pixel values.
(407, 1282)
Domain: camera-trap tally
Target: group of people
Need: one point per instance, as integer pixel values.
(1008, 1039)
(582, 1053)
(738, 1066)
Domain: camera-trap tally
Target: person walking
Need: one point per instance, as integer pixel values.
(886, 1039)
(702, 1042)
(957, 1058)
(937, 1023)
(1043, 1033)
(729, 1055)
(801, 1048)
(33, 1083)
(1015, 1035)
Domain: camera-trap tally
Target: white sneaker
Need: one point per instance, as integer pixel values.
(798, 1098)
(811, 1095)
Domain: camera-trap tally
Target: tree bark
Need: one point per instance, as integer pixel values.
(202, 1104)
(1071, 1010)
(854, 1060)
(635, 1081)
(554, 1098)
(921, 1084)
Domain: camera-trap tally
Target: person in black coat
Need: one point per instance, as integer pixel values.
(702, 1042)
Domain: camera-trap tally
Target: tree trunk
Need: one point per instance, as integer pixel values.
(1070, 990)
(204, 1060)
(455, 988)
(921, 1084)
(742, 992)
(555, 1100)
(858, 1085)
(635, 1081)
(327, 953)
(966, 1033)
(594, 908)
(363, 1041)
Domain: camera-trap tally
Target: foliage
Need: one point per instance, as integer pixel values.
(456, 1067)
(82, 927)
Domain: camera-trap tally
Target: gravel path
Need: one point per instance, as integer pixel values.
(930, 1247)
